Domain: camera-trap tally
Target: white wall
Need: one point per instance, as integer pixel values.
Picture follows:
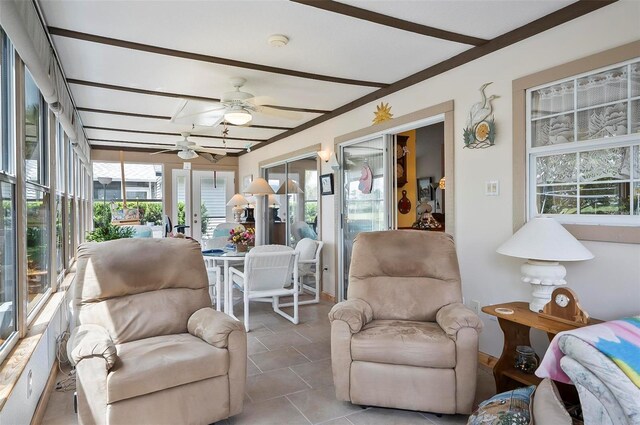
(608, 286)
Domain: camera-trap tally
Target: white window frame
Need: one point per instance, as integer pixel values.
(628, 140)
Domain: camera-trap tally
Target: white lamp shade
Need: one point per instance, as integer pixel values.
(289, 187)
(259, 186)
(543, 238)
(237, 200)
(105, 180)
(273, 201)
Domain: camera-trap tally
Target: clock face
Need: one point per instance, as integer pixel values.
(562, 300)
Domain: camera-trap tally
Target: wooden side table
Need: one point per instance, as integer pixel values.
(515, 328)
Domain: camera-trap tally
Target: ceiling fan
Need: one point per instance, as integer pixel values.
(190, 150)
(235, 107)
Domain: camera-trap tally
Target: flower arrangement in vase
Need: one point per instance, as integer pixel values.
(242, 238)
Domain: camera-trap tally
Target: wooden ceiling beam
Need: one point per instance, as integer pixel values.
(164, 118)
(389, 21)
(560, 16)
(93, 38)
(143, 149)
(179, 95)
(166, 133)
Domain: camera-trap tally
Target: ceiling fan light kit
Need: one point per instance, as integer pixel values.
(187, 154)
(237, 115)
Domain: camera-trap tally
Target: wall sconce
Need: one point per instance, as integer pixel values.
(442, 183)
(329, 158)
(325, 155)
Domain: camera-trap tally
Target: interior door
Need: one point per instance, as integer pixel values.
(211, 190)
(366, 195)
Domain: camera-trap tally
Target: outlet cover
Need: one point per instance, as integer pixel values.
(492, 188)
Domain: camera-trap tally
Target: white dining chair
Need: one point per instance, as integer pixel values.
(309, 268)
(221, 235)
(214, 275)
(266, 277)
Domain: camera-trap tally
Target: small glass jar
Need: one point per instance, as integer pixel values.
(526, 360)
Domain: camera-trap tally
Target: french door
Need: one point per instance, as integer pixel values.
(365, 195)
(200, 200)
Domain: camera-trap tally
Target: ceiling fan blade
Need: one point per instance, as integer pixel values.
(209, 157)
(261, 100)
(218, 121)
(211, 150)
(279, 113)
(195, 112)
(166, 150)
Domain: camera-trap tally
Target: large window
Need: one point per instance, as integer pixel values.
(584, 147)
(143, 190)
(35, 146)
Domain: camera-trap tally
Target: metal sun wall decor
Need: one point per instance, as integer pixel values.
(382, 113)
(480, 132)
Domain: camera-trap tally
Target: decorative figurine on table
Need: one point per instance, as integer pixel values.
(425, 221)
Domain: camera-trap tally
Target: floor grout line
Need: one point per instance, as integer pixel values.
(296, 407)
(258, 367)
(302, 354)
(303, 380)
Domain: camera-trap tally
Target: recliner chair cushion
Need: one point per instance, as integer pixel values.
(154, 364)
(403, 342)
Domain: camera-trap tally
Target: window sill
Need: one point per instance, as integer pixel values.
(601, 233)
(15, 363)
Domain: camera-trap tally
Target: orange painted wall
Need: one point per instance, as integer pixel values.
(406, 220)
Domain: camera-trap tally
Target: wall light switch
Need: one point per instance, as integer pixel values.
(186, 166)
(492, 188)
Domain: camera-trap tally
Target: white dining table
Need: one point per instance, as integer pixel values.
(226, 258)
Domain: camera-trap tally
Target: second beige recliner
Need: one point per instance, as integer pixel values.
(148, 348)
(403, 339)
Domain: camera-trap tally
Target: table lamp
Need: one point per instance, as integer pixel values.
(289, 187)
(544, 243)
(238, 202)
(260, 189)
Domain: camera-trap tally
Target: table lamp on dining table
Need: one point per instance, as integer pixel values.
(544, 242)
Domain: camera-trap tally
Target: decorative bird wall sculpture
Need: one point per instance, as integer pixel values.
(480, 130)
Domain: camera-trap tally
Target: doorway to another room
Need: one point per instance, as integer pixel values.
(395, 175)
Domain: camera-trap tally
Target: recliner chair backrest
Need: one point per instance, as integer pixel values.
(404, 274)
(139, 288)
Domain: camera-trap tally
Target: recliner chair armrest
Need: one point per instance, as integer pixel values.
(354, 312)
(213, 327)
(453, 317)
(88, 341)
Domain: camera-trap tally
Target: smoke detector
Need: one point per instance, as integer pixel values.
(278, 40)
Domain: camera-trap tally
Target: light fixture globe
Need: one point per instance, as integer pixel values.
(187, 154)
(237, 115)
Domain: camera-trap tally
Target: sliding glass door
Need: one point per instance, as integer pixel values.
(294, 209)
(365, 195)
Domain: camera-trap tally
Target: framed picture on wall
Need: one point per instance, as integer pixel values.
(326, 184)
(425, 190)
(246, 181)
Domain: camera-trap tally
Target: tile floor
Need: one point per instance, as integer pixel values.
(289, 379)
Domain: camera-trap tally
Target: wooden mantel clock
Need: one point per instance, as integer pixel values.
(564, 307)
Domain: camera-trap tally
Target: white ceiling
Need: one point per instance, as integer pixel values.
(321, 42)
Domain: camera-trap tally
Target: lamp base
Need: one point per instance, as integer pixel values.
(249, 218)
(544, 277)
(237, 214)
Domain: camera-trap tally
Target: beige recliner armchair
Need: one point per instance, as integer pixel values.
(403, 338)
(148, 348)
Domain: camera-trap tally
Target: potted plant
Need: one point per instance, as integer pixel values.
(110, 232)
(242, 238)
